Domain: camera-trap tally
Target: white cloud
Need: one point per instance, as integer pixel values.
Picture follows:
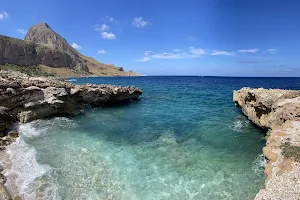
(101, 51)
(192, 38)
(140, 22)
(150, 56)
(22, 31)
(248, 50)
(272, 51)
(223, 53)
(101, 28)
(75, 46)
(177, 50)
(197, 51)
(193, 53)
(108, 19)
(108, 36)
(3, 15)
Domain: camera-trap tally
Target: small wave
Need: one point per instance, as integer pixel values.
(41, 127)
(29, 131)
(258, 165)
(71, 80)
(240, 124)
(33, 180)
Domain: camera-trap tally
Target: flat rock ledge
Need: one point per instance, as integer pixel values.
(279, 112)
(24, 99)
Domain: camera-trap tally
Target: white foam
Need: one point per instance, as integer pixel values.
(33, 180)
(71, 80)
(239, 124)
(259, 164)
(29, 131)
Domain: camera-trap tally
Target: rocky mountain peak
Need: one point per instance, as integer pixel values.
(42, 34)
(43, 46)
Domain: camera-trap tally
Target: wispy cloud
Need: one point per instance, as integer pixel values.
(101, 28)
(3, 15)
(108, 19)
(192, 38)
(149, 55)
(22, 31)
(101, 51)
(192, 53)
(140, 22)
(253, 61)
(248, 50)
(76, 46)
(222, 53)
(108, 36)
(177, 50)
(281, 66)
(197, 51)
(272, 51)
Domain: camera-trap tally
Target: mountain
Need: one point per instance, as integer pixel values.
(45, 48)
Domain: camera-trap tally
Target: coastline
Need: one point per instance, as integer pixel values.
(24, 99)
(277, 111)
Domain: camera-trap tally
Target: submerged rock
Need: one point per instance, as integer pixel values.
(13, 134)
(278, 111)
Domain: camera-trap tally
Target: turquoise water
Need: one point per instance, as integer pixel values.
(184, 139)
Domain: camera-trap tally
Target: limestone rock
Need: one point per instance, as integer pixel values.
(267, 108)
(278, 111)
(37, 98)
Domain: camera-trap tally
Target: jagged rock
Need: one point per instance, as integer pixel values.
(6, 120)
(2, 178)
(278, 111)
(37, 98)
(267, 108)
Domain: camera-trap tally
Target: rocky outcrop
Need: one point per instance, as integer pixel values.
(278, 111)
(25, 98)
(43, 46)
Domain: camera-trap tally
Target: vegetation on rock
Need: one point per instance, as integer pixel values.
(29, 70)
(290, 151)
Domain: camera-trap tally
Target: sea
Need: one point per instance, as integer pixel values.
(183, 140)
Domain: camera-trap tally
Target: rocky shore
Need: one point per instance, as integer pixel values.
(24, 99)
(279, 112)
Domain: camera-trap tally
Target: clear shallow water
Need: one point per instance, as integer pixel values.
(184, 139)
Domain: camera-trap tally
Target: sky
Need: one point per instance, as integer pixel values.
(167, 37)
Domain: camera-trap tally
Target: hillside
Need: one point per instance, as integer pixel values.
(46, 49)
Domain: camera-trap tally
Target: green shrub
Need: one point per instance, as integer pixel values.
(29, 70)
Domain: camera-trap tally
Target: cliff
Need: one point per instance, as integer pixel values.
(278, 111)
(43, 46)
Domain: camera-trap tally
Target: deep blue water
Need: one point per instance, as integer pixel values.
(184, 139)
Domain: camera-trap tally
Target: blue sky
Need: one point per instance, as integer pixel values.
(167, 37)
